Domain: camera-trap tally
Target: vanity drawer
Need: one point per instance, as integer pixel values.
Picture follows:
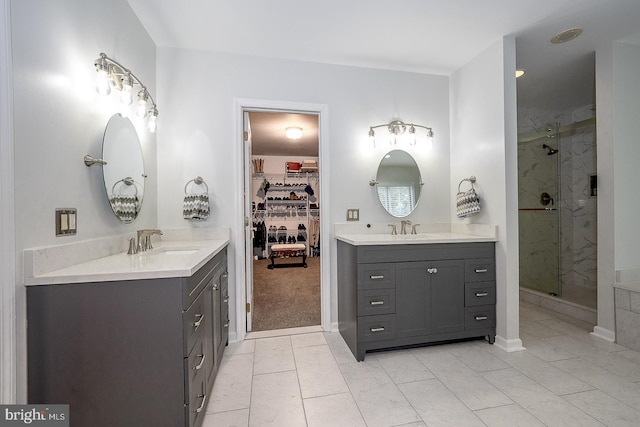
(479, 293)
(480, 270)
(482, 316)
(196, 283)
(376, 301)
(197, 360)
(376, 276)
(193, 323)
(197, 394)
(377, 328)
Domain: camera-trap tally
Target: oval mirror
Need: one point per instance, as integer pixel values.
(398, 183)
(124, 172)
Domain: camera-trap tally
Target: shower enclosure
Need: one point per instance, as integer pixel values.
(538, 212)
(557, 212)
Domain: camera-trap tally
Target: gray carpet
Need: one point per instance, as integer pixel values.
(285, 297)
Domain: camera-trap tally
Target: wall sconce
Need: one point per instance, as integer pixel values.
(113, 74)
(396, 128)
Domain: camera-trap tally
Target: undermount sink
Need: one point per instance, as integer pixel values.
(177, 251)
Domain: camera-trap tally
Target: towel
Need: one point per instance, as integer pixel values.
(196, 206)
(126, 208)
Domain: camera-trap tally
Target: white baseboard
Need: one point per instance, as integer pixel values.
(509, 346)
(603, 333)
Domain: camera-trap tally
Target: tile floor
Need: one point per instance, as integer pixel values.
(565, 378)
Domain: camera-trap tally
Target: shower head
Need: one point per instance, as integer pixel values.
(551, 151)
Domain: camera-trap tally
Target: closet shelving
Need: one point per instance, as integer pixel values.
(281, 211)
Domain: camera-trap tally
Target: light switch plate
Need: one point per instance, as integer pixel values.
(353, 214)
(66, 221)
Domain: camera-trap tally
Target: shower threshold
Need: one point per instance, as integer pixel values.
(559, 305)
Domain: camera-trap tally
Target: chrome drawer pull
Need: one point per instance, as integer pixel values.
(432, 270)
(481, 317)
(226, 299)
(481, 270)
(376, 302)
(482, 294)
(201, 364)
(376, 329)
(216, 287)
(376, 277)
(204, 399)
(226, 324)
(225, 274)
(197, 323)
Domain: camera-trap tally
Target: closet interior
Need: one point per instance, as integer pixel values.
(285, 205)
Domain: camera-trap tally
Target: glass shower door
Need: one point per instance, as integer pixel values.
(539, 214)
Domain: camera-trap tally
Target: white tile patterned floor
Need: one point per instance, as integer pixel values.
(566, 377)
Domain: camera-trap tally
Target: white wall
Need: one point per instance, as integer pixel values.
(196, 132)
(626, 110)
(618, 101)
(484, 144)
(58, 118)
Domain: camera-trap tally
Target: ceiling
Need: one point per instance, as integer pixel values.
(424, 36)
(268, 134)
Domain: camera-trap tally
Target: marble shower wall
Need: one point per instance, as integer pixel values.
(571, 230)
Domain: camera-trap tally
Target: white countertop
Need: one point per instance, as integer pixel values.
(171, 258)
(411, 239)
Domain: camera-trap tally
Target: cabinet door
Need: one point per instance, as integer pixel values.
(412, 299)
(446, 303)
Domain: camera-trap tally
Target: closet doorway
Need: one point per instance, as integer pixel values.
(283, 243)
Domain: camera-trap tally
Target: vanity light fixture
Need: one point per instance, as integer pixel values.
(293, 132)
(113, 74)
(397, 128)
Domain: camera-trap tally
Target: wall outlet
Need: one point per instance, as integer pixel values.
(66, 221)
(353, 214)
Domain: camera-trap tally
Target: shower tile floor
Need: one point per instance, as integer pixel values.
(566, 377)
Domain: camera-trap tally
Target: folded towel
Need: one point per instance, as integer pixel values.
(125, 207)
(196, 206)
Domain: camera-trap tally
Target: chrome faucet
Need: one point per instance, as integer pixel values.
(403, 226)
(394, 231)
(144, 238)
(413, 229)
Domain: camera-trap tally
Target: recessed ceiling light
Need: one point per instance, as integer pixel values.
(520, 73)
(566, 36)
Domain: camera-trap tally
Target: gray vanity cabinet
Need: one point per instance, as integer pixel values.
(398, 295)
(128, 353)
(437, 286)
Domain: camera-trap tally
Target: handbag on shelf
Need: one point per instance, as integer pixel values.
(467, 202)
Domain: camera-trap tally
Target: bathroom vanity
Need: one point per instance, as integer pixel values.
(406, 290)
(138, 346)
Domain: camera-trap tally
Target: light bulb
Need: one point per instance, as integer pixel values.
(372, 138)
(393, 139)
(412, 135)
(103, 83)
(153, 115)
(430, 139)
(141, 110)
(127, 84)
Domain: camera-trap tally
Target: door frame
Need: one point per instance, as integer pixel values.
(322, 111)
(8, 335)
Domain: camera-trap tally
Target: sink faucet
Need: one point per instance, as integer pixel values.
(403, 226)
(413, 229)
(144, 238)
(394, 231)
